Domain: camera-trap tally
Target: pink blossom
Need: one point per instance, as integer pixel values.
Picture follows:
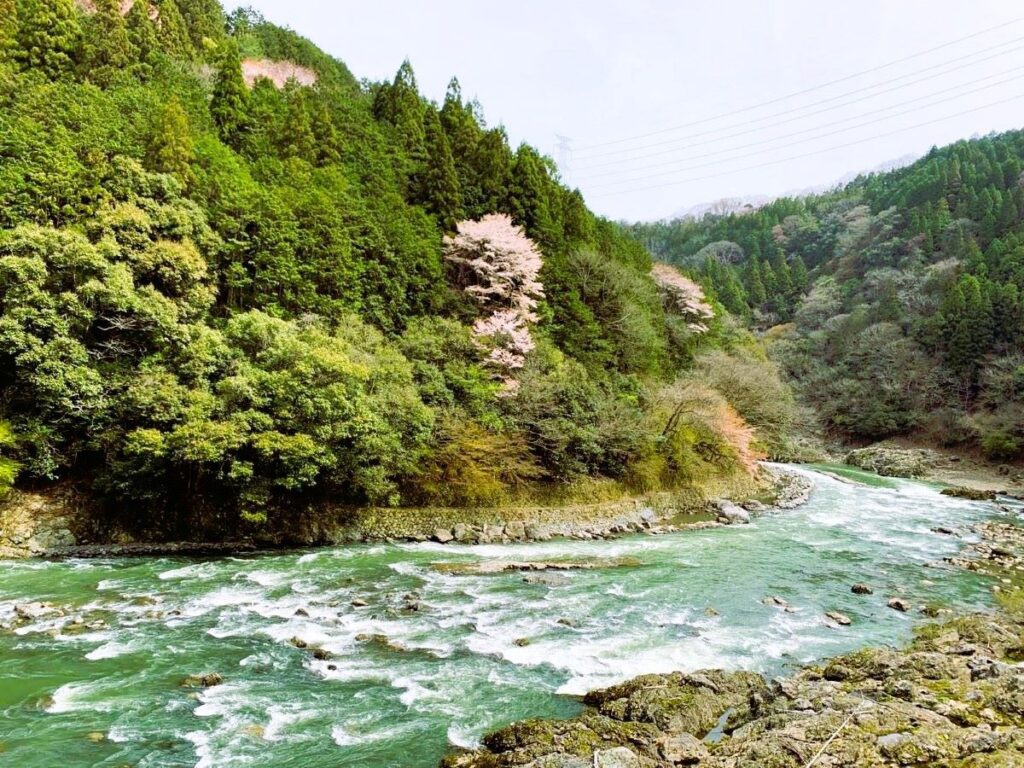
(498, 265)
(684, 296)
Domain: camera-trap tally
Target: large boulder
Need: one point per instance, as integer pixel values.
(732, 514)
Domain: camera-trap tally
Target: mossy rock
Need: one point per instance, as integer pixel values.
(971, 494)
(679, 702)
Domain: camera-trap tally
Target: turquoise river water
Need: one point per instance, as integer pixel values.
(110, 695)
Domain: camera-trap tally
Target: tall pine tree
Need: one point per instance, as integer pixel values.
(106, 47)
(437, 187)
(170, 147)
(399, 104)
(204, 21)
(142, 32)
(171, 31)
(230, 102)
(48, 36)
(297, 139)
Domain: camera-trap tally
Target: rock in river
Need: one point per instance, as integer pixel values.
(732, 513)
(489, 567)
(899, 604)
(37, 610)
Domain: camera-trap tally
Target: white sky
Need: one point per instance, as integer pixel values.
(599, 72)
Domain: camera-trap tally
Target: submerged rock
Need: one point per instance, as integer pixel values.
(862, 589)
(36, 610)
(899, 604)
(207, 680)
(490, 567)
(971, 494)
(839, 618)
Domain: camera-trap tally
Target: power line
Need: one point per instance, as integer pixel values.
(757, 129)
(808, 130)
(947, 69)
(677, 182)
(811, 89)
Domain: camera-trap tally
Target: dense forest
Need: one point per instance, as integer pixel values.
(896, 303)
(234, 279)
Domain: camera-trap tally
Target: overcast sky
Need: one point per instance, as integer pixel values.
(640, 87)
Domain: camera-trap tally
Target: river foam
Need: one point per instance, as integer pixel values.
(434, 658)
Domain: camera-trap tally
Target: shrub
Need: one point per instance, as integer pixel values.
(754, 387)
(8, 466)
(471, 465)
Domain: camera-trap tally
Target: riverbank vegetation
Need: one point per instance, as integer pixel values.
(235, 280)
(895, 304)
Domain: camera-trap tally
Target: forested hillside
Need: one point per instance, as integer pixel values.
(233, 278)
(896, 303)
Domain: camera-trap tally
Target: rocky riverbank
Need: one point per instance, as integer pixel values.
(940, 466)
(59, 525)
(954, 698)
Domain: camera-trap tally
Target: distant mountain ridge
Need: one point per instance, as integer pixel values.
(748, 203)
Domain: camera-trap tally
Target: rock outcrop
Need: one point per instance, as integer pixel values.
(893, 462)
(955, 697)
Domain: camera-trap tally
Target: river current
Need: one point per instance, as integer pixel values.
(399, 687)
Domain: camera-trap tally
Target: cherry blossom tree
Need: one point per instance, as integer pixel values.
(498, 265)
(684, 296)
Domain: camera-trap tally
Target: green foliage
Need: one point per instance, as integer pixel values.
(230, 99)
(8, 466)
(106, 48)
(171, 149)
(8, 28)
(48, 36)
(905, 289)
(221, 303)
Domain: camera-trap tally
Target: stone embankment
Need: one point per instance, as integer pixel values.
(58, 524)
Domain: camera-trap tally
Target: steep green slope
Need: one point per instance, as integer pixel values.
(224, 295)
(912, 318)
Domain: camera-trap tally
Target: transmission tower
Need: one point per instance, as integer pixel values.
(564, 147)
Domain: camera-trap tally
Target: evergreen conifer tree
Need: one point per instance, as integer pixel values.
(170, 147)
(230, 101)
(106, 47)
(171, 31)
(297, 138)
(756, 291)
(48, 36)
(438, 184)
(142, 32)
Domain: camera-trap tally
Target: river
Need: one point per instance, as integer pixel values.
(403, 685)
